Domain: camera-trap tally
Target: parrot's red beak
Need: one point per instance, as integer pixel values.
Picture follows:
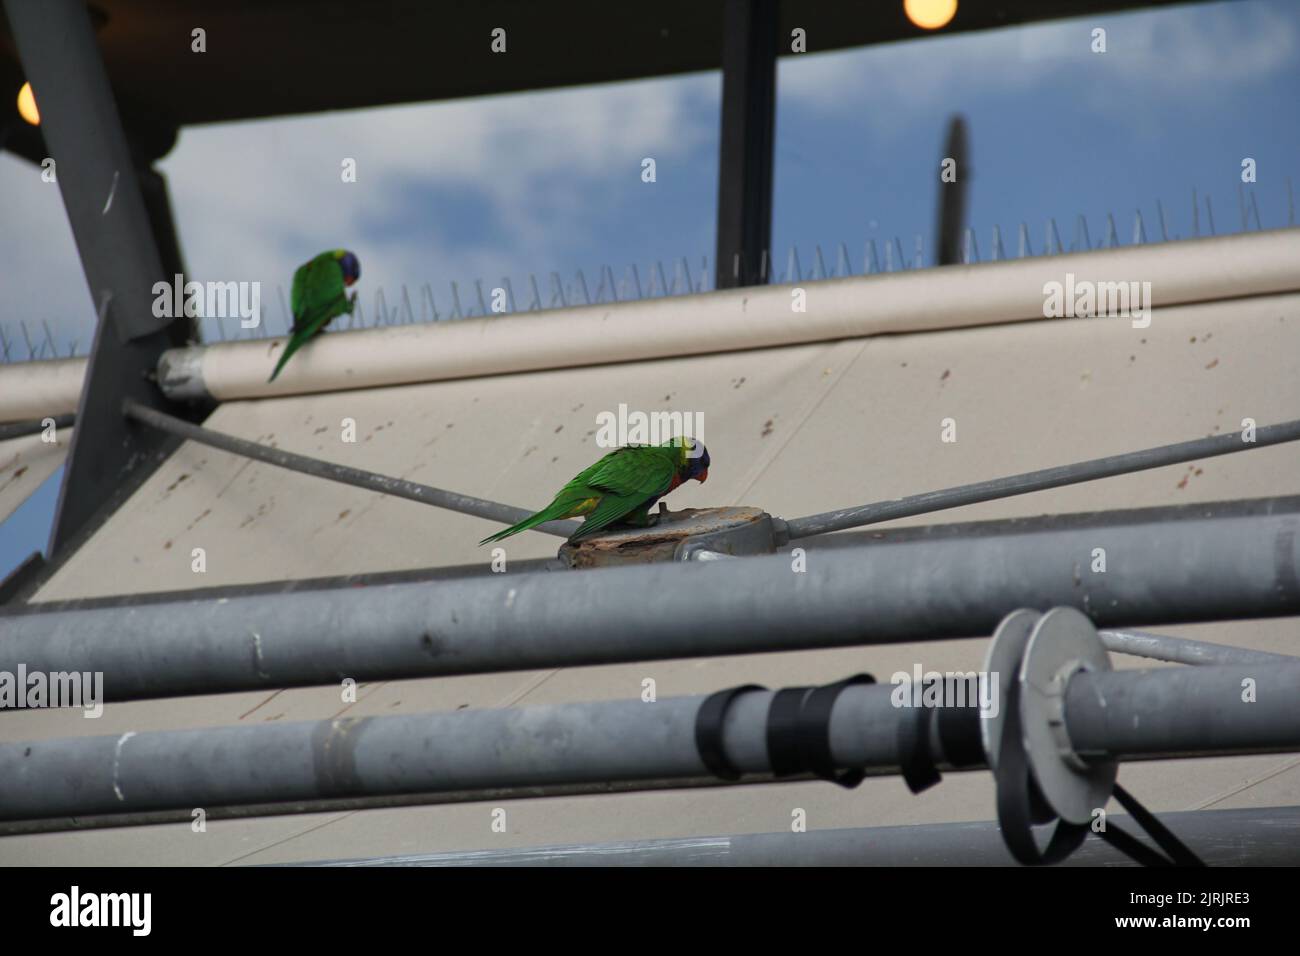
(704, 476)
(348, 280)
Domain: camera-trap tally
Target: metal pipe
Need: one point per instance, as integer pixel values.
(1160, 571)
(357, 477)
(1181, 650)
(1185, 710)
(245, 811)
(587, 743)
(1254, 837)
(1165, 712)
(1041, 480)
(19, 429)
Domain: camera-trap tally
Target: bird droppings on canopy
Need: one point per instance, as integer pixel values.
(733, 530)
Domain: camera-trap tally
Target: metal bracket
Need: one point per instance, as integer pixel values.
(1063, 643)
(1042, 652)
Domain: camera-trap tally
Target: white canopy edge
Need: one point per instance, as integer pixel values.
(949, 297)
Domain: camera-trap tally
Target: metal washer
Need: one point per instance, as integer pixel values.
(1005, 653)
(1063, 642)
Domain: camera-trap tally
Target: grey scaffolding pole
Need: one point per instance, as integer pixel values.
(1159, 572)
(344, 474)
(1269, 837)
(1108, 715)
(1265, 436)
(1057, 477)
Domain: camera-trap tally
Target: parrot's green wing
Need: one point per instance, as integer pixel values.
(621, 482)
(318, 296)
(627, 479)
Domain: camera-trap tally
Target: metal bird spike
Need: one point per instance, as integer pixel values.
(871, 262)
(1025, 248)
(842, 266)
(793, 273)
(1053, 237)
(685, 280)
(1082, 241)
(1139, 230)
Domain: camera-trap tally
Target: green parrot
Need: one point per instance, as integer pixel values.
(319, 295)
(623, 485)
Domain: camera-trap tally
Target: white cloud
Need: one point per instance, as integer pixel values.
(1175, 52)
(254, 200)
(43, 276)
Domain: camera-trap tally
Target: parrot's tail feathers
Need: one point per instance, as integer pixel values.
(289, 348)
(530, 522)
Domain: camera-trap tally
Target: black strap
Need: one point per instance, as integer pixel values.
(798, 731)
(1016, 787)
(1020, 803)
(1179, 854)
(817, 738)
(708, 730)
(914, 759)
(959, 731)
(785, 731)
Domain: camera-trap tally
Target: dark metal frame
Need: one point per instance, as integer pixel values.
(115, 230)
(748, 142)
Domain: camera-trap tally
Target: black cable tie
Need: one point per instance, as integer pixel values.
(708, 730)
(914, 759)
(785, 731)
(798, 732)
(817, 737)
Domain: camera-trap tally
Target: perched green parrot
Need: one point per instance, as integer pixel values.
(623, 485)
(319, 295)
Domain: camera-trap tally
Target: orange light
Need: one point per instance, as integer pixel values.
(27, 105)
(930, 14)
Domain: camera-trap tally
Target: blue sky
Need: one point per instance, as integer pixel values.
(512, 185)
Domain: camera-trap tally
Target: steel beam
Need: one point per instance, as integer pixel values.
(96, 173)
(1160, 570)
(749, 43)
(1184, 712)
(952, 195)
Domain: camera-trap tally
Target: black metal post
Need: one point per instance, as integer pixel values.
(952, 194)
(748, 139)
(111, 224)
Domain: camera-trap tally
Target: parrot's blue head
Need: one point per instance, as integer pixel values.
(350, 266)
(697, 461)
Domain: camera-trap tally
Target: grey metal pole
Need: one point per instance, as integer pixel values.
(1180, 650)
(19, 429)
(1041, 480)
(1158, 571)
(1185, 710)
(1116, 714)
(594, 743)
(357, 477)
(1264, 837)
